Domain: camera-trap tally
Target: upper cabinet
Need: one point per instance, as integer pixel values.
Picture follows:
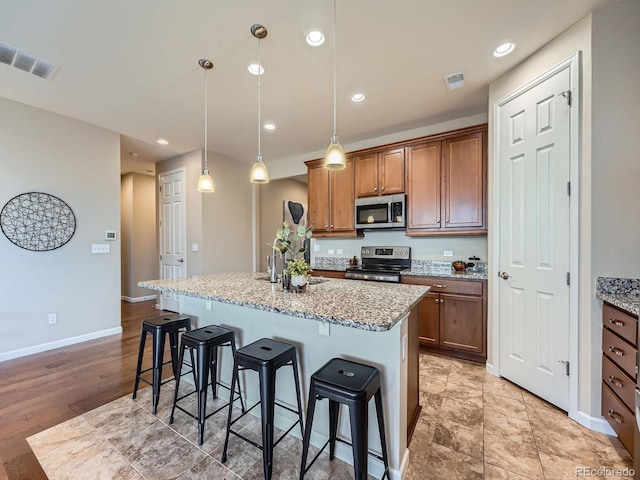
(446, 185)
(380, 173)
(330, 203)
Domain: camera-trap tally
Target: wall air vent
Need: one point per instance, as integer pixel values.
(27, 62)
(454, 81)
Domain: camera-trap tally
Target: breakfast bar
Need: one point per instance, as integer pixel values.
(368, 322)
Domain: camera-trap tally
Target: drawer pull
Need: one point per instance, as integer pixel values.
(615, 381)
(616, 351)
(616, 418)
(617, 323)
(439, 285)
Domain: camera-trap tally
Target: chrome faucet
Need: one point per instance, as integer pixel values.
(271, 267)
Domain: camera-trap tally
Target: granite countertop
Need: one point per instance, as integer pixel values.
(623, 293)
(422, 272)
(365, 305)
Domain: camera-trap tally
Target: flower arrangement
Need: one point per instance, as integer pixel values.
(291, 243)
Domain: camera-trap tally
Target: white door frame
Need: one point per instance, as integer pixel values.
(161, 218)
(573, 64)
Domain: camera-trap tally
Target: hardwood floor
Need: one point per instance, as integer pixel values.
(39, 391)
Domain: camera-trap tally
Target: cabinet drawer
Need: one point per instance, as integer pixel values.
(447, 285)
(622, 323)
(618, 416)
(619, 383)
(620, 352)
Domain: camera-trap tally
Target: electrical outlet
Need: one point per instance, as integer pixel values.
(53, 318)
(448, 253)
(331, 251)
(323, 328)
(100, 248)
(316, 247)
(339, 251)
(208, 304)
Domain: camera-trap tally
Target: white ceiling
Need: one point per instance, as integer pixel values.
(132, 66)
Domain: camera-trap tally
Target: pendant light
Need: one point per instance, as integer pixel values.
(334, 159)
(205, 182)
(259, 172)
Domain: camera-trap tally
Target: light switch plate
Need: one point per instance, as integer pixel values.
(448, 253)
(331, 251)
(316, 247)
(194, 247)
(100, 248)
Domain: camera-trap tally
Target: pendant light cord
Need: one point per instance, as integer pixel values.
(206, 165)
(334, 69)
(259, 75)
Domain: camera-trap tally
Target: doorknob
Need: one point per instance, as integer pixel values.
(503, 275)
(181, 260)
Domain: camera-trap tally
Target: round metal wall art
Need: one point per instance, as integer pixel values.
(37, 221)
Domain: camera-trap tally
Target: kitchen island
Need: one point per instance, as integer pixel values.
(369, 322)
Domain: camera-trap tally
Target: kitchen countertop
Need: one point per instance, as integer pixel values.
(623, 293)
(627, 302)
(372, 306)
(426, 272)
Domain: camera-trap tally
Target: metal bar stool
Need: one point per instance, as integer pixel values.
(159, 327)
(265, 356)
(205, 342)
(349, 383)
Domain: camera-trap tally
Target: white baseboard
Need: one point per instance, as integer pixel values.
(492, 370)
(58, 343)
(139, 299)
(598, 424)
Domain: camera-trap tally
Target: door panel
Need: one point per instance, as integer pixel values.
(461, 325)
(423, 205)
(392, 171)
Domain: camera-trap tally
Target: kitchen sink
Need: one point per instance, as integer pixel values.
(312, 280)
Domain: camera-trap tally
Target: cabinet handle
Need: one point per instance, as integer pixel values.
(375, 189)
(616, 351)
(616, 418)
(382, 188)
(326, 226)
(617, 323)
(439, 285)
(615, 381)
(331, 226)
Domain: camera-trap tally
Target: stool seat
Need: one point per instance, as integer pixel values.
(345, 382)
(265, 356)
(205, 342)
(159, 327)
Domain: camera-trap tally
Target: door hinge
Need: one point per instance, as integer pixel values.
(161, 188)
(568, 278)
(160, 222)
(569, 188)
(160, 257)
(566, 366)
(567, 94)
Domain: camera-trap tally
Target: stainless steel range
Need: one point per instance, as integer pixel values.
(381, 264)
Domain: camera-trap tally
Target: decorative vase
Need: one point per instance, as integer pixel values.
(298, 280)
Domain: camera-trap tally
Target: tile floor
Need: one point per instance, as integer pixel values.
(472, 426)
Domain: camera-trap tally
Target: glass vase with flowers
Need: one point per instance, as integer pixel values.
(291, 243)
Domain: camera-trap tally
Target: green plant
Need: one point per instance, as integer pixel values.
(299, 266)
(291, 243)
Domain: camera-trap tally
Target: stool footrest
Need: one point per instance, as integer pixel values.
(257, 445)
(370, 453)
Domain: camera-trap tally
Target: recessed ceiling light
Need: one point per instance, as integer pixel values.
(315, 38)
(255, 69)
(162, 141)
(357, 97)
(504, 49)
(269, 126)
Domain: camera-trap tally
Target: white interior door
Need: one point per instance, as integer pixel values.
(534, 259)
(172, 234)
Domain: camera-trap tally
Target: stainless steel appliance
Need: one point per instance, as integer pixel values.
(381, 264)
(385, 211)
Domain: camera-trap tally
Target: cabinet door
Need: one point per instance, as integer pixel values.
(366, 174)
(429, 319)
(464, 182)
(342, 216)
(423, 186)
(318, 202)
(461, 323)
(391, 166)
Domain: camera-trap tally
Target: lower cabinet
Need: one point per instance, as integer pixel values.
(327, 273)
(453, 319)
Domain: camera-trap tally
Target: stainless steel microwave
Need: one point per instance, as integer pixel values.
(386, 211)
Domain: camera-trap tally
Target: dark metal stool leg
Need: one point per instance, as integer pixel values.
(233, 353)
(298, 396)
(203, 377)
(311, 408)
(175, 395)
(158, 353)
(267, 411)
(334, 409)
(173, 344)
(359, 418)
(234, 380)
(383, 438)
(213, 361)
(143, 338)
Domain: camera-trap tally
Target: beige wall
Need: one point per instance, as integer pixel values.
(79, 163)
(609, 224)
(271, 212)
(138, 234)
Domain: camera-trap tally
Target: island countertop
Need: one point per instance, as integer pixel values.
(360, 304)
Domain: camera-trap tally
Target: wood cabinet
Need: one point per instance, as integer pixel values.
(453, 317)
(380, 173)
(619, 371)
(330, 200)
(446, 185)
(327, 273)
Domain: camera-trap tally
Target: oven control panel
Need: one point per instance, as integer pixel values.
(403, 253)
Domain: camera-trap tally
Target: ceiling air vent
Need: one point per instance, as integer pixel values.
(454, 81)
(27, 62)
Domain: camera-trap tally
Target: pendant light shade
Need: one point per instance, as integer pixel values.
(205, 182)
(259, 173)
(335, 158)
